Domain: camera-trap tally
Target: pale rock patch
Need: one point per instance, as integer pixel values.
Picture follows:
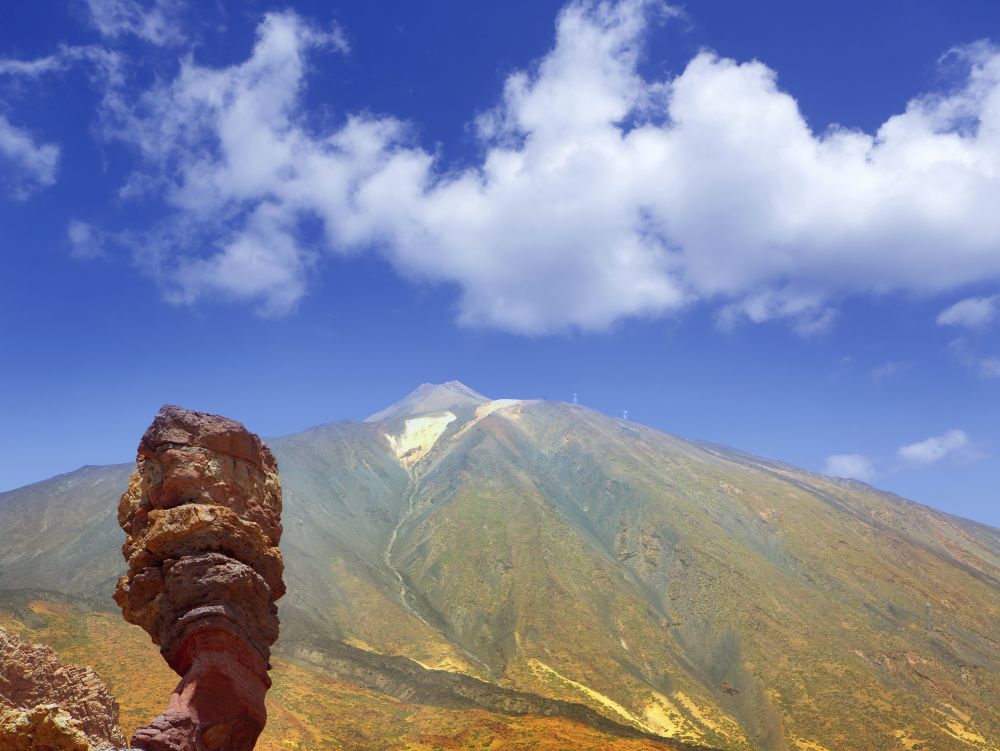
(679, 715)
(419, 436)
(538, 667)
(804, 745)
(493, 406)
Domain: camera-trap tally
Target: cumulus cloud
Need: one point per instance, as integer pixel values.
(851, 466)
(971, 313)
(243, 175)
(27, 165)
(953, 444)
(156, 22)
(600, 195)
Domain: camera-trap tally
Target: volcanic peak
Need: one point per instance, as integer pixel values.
(429, 398)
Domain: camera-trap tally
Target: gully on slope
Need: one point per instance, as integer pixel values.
(406, 599)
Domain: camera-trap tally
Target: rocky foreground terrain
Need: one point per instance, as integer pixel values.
(45, 702)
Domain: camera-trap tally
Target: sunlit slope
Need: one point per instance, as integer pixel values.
(307, 711)
(576, 553)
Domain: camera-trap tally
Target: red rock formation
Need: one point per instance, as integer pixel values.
(202, 518)
(35, 685)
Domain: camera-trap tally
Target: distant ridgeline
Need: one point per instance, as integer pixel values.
(473, 573)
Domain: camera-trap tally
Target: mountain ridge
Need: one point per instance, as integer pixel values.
(458, 388)
(678, 587)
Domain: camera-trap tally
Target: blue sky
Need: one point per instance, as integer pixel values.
(769, 225)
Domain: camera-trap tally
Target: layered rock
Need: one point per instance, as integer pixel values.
(51, 703)
(202, 517)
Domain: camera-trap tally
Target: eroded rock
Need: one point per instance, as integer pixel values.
(45, 727)
(202, 517)
(43, 697)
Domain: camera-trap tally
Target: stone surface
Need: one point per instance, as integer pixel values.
(45, 727)
(39, 694)
(202, 517)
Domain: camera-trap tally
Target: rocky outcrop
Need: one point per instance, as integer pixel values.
(43, 697)
(202, 518)
(45, 727)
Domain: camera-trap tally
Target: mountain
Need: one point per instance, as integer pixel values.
(59, 534)
(429, 398)
(512, 556)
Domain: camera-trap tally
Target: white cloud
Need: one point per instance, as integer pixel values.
(971, 313)
(953, 444)
(807, 313)
(243, 175)
(261, 262)
(105, 61)
(30, 68)
(26, 166)
(601, 195)
(337, 38)
(852, 466)
(156, 22)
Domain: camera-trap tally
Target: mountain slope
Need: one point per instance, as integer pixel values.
(674, 587)
(662, 571)
(306, 709)
(62, 533)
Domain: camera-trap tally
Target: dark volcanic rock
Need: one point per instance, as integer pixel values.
(202, 517)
